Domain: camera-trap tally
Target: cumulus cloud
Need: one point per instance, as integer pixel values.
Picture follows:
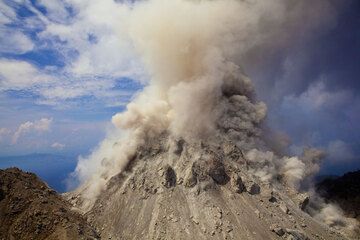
(42, 125)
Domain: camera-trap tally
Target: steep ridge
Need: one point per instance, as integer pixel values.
(29, 209)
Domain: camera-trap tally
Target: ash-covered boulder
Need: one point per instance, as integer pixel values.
(232, 152)
(276, 229)
(190, 178)
(237, 183)
(169, 177)
(268, 193)
(216, 171)
(251, 186)
(283, 207)
(302, 200)
(179, 146)
(210, 166)
(294, 234)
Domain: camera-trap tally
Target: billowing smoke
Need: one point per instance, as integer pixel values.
(197, 90)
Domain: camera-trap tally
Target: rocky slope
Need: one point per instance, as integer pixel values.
(344, 191)
(29, 209)
(187, 191)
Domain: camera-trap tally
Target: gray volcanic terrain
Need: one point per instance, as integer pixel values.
(200, 192)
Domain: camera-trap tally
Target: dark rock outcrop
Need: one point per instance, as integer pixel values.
(29, 209)
(344, 191)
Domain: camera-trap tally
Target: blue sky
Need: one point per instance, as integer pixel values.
(64, 72)
(64, 67)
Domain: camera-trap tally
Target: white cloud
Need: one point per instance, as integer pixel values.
(317, 97)
(58, 146)
(42, 125)
(14, 41)
(102, 58)
(95, 34)
(7, 14)
(56, 10)
(15, 74)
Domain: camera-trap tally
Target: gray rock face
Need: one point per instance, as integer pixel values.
(199, 194)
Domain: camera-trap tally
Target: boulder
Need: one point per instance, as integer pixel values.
(210, 166)
(284, 208)
(237, 184)
(302, 200)
(190, 178)
(296, 235)
(253, 188)
(278, 230)
(169, 177)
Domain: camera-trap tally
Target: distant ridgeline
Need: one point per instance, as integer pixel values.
(344, 190)
(53, 169)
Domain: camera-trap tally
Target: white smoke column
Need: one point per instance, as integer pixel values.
(189, 50)
(332, 215)
(184, 46)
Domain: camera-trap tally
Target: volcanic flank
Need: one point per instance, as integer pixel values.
(191, 159)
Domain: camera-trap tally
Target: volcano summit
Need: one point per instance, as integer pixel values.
(192, 156)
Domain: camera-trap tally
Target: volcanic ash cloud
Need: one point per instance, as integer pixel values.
(197, 91)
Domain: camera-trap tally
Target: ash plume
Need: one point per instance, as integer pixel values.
(197, 90)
